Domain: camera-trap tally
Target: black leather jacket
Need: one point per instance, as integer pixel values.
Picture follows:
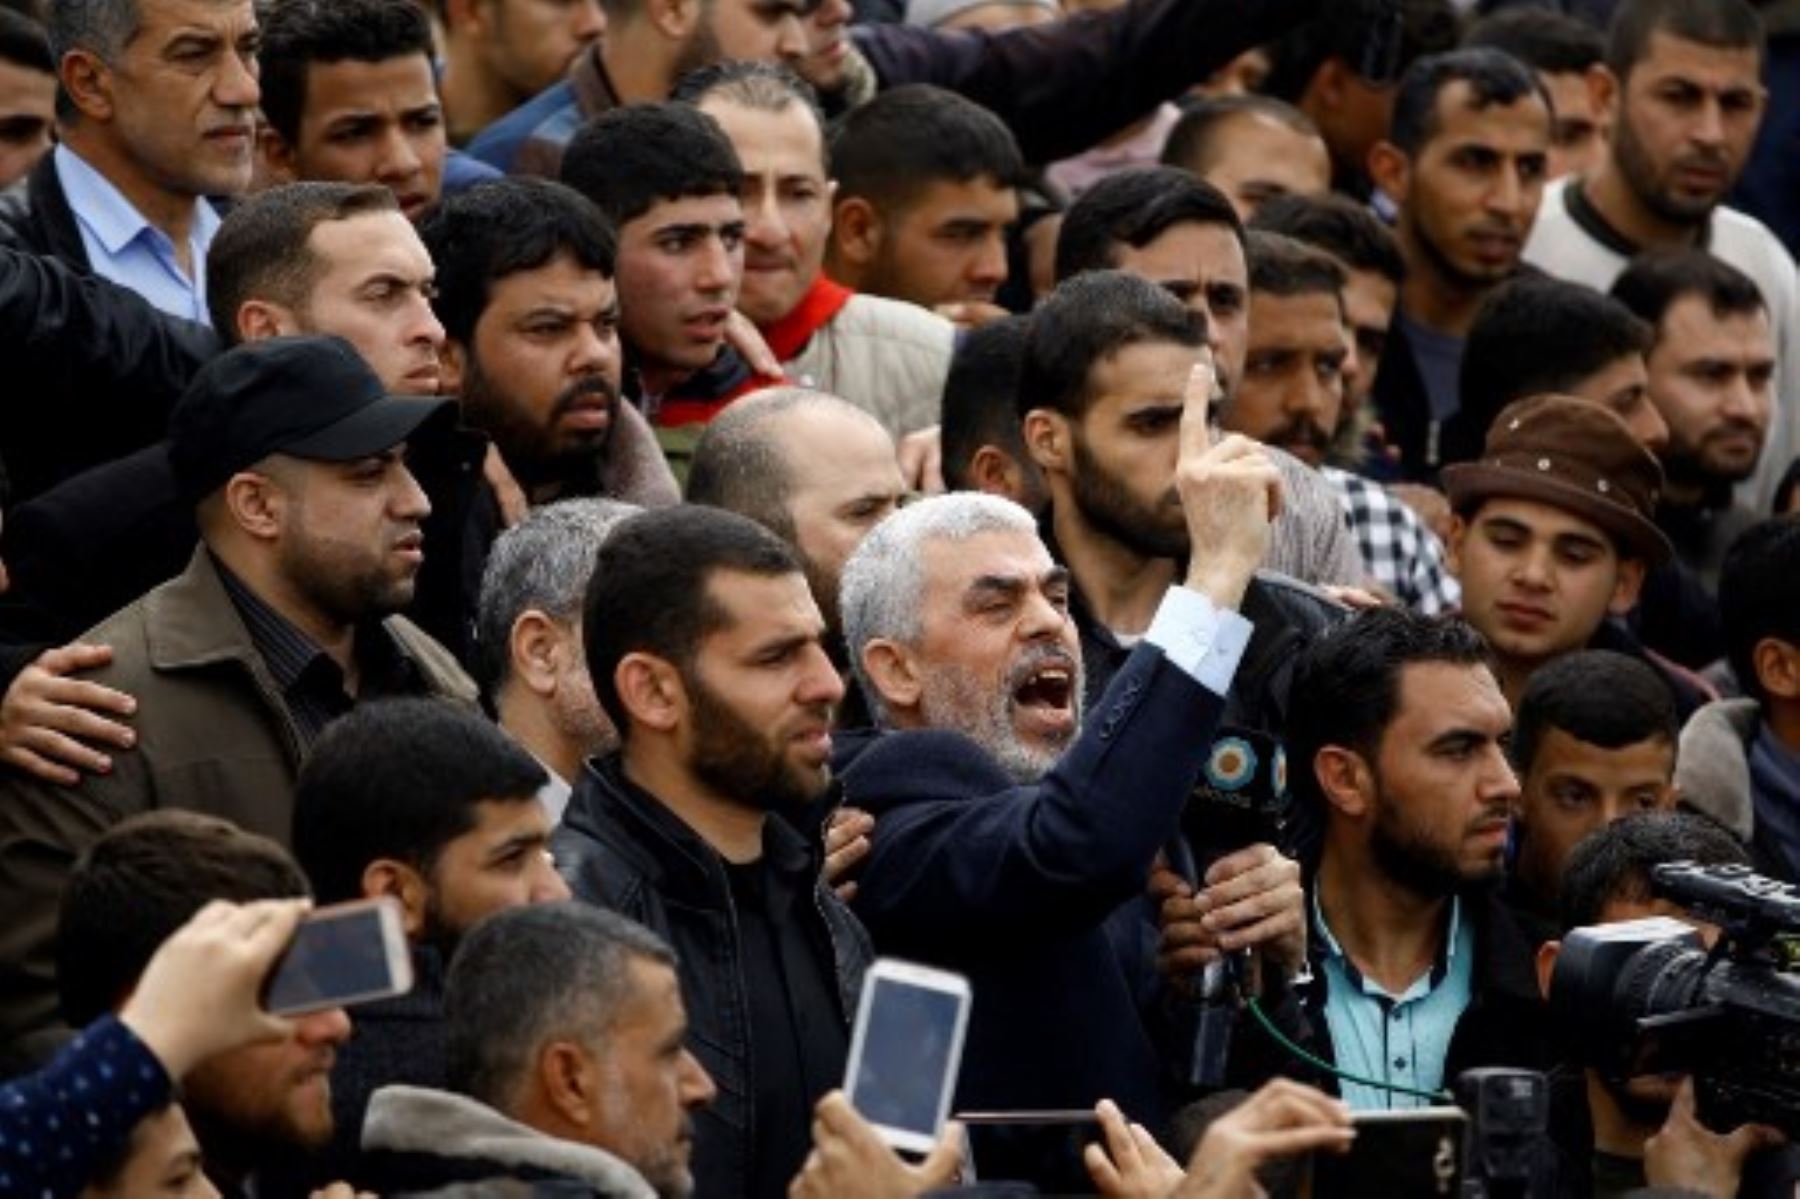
(620, 848)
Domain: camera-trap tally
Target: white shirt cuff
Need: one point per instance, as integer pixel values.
(1205, 640)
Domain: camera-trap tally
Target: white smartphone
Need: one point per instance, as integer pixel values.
(906, 1051)
(341, 955)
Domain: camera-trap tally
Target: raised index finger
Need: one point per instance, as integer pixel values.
(1196, 407)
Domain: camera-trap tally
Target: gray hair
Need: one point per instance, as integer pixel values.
(543, 562)
(530, 975)
(739, 463)
(101, 27)
(883, 590)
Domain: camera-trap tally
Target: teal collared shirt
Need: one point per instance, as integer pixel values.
(1401, 1039)
(123, 246)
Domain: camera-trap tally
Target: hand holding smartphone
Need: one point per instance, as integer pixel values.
(906, 1051)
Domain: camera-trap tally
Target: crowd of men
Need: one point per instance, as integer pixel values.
(686, 498)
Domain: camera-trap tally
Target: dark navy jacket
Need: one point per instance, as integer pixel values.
(1015, 887)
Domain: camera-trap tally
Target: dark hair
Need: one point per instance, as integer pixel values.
(400, 779)
(1194, 141)
(143, 879)
(1086, 320)
(1612, 864)
(629, 159)
(1759, 595)
(1653, 282)
(1494, 78)
(1536, 335)
(1543, 39)
(909, 138)
(1338, 225)
(1134, 208)
(1727, 24)
(1283, 266)
(758, 86)
(501, 227)
(298, 33)
(981, 396)
(1341, 31)
(526, 976)
(739, 463)
(1346, 686)
(24, 43)
(650, 592)
(261, 250)
(1597, 696)
(1784, 490)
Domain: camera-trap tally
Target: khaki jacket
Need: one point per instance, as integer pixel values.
(214, 736)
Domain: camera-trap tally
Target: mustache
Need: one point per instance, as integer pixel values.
(1301, 431)
(1036, 658)
(599, 385)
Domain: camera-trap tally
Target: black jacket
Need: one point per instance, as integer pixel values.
(93, 544)
(619, 847)
(1400, 399)
(93, 369)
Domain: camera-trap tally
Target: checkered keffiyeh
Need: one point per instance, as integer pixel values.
(1402, 555)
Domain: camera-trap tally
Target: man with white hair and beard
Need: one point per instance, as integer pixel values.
(1014, 843)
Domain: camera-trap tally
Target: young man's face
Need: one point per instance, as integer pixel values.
(541, 378)
(827, 45)
(163, 1162)
(529, 44)
(786, 200)
(350, 533)
(369, 122)
(748, 31)
(1688, 114)
(947, 246)
(373, 289)
(1256, 158)
(1292, 391)
(1711, 377)
(654, 1084)
(680, 266)
(27, 112)
(182, 97)
(503, 862)
(1444, 791)
(269, 1097)
(761, 694)
(1570, 788)
(1624, 387)
(1202, 266)
(1472, 190)
(1578, 134)
(1369, 300)
(1537, 581)
(1120, 472)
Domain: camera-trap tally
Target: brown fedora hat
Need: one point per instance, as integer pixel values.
(1571, 454)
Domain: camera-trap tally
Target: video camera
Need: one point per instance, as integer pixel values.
(1648, 996)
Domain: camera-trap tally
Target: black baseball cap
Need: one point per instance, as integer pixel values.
(307, 397)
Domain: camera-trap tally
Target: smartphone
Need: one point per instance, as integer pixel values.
(906, 1051)
(1403, 1153)
(345, 954)
(1041, 1147)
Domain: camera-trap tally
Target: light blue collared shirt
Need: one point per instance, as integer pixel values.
(1401, 1039)
(1203, 639)
(126, 248)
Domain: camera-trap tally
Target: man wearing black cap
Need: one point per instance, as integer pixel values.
(292, 454)
(1552, 536)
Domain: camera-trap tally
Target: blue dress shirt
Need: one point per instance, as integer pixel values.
(123, 246)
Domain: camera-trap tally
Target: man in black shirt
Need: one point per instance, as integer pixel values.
(705, 647)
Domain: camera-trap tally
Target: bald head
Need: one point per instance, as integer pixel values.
(815, 470)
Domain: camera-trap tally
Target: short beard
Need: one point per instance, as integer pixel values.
(529, 450)
(952, 699)
(736, 759)
(1640, 176)
(1409, 860)
(1106, 504)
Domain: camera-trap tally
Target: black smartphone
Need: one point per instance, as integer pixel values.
(1404, 1153)
(1043, 1148)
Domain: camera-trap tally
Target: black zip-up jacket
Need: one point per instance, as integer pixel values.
(619, 847)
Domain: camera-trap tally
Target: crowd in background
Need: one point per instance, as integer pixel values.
(686, 496)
